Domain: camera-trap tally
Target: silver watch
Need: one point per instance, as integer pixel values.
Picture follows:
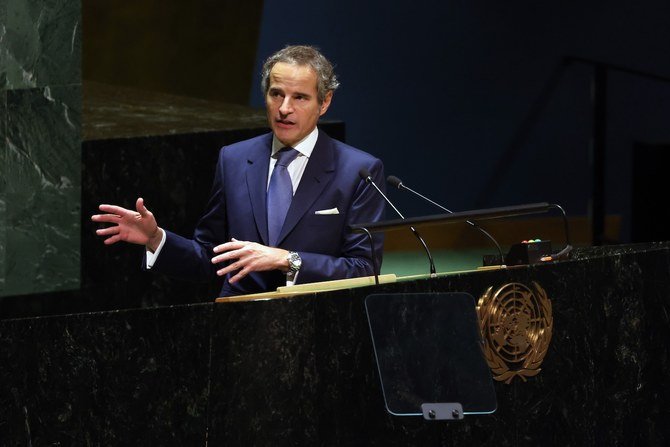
(294, 262)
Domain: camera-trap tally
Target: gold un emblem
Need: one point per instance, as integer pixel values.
(516, 324)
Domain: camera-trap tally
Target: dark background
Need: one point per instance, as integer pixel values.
(470, 102)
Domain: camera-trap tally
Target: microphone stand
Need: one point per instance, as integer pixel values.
(365, 175)
(395, 181)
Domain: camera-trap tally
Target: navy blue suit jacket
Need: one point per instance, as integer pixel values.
(237, 209)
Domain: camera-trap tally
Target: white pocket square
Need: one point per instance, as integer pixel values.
(330, 211)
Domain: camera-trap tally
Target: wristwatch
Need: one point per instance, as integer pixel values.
(294, 264)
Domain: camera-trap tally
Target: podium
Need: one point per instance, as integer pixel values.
(301, 369)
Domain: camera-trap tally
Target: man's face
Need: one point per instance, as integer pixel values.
(291, 101)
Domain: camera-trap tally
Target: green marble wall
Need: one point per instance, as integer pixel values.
(40, 147)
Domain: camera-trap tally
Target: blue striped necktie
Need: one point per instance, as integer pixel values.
(280, 193)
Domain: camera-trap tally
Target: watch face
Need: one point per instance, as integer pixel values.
(294, 261)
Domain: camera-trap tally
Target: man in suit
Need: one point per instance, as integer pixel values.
(281, 202)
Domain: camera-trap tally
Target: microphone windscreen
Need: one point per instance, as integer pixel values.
(364, 174)
(394, 181)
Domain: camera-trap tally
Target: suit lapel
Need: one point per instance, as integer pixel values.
(319, 171)
(258, 164)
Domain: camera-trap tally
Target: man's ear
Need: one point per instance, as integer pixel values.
(326, 103)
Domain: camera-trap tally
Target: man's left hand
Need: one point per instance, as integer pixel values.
(249, 257)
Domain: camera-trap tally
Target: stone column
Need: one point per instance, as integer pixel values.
(40, 145)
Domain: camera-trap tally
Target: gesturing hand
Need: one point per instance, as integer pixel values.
(250, 257)
(136, 227)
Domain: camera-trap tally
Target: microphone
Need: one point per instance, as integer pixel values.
(365, 175)
(395, 181)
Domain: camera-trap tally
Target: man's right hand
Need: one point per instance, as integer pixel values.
(135, 227)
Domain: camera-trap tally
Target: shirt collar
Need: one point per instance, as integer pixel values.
(304, 146)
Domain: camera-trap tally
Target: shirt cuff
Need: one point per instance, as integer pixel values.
(151, 257)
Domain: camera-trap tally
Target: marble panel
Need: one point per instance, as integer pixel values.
(3, 185)
(601, 380)
(266, 367)
(301, 370)
(3, 51)
(351, 404)
(43, 189)
(604, 379)
(117, 378)
(112, 112)
(41, 43)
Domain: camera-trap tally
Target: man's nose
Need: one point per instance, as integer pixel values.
(286, 107)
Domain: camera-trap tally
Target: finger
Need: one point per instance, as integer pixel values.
(139, 206)
(228, 269)
(113, 209)
(227, 246)
(241, 274)
(218, 259)
(232, 267)
(108, 231)
(243, 271)
(227, 256)
(110, 218)
(112, 240)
